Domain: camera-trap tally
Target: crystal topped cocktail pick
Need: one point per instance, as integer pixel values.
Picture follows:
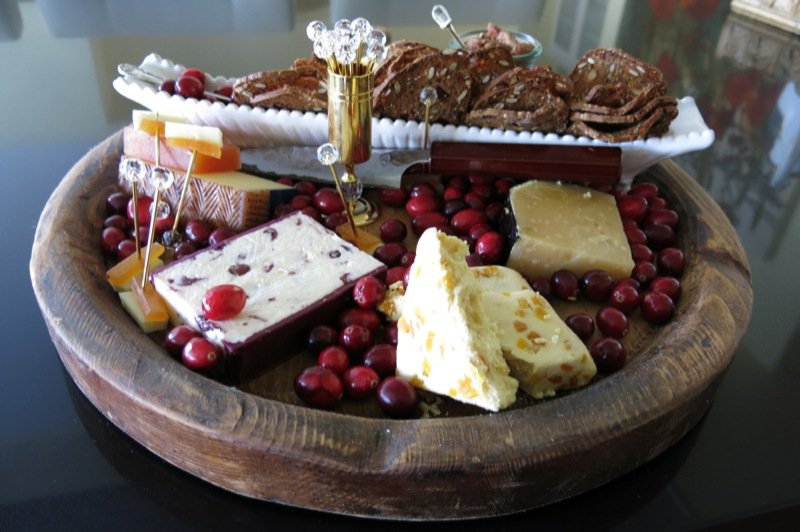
(133, 171)
(328, 155)
(162, 179)
(428, 96)
(445, 22)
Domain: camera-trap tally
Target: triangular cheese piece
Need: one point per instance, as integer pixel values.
(446, 343)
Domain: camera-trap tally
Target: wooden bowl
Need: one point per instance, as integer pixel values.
(268, 446)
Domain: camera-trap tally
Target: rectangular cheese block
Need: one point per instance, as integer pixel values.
(542, 351)
(566, 227)
(131, 304)
(233, 199)
(446, 344)
(141, 145)
(296, 274)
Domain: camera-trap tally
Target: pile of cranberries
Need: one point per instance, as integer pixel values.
(357, 358)
(191, 83)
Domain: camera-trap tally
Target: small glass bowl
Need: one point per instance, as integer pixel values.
(526, 59)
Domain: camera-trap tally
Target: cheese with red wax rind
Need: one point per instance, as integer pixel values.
(231, 199)
(119, 276)
(141, 145)
(566, 227)
(202, 139)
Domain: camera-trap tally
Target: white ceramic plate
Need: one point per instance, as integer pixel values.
(250, 127)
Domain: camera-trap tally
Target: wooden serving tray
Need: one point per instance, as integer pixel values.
(261, 442)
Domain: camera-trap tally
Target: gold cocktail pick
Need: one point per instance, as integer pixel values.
(327, 154)
(134, 172)
(428, 96)
(442, 18)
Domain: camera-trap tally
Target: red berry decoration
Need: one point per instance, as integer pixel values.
(395, 274)
(390, 334)
(168, 86)
(356, 339)
(196, 73)
(657, 307)
(452, 193)
(126, 248)
(382, 358)
(423, 189)
(648, 190)
(360, 382)
(612, 322)
(473, 260)
(422, 204)
(189, 87)
(596, 285)
(564, 284)
(660, 236)
(327, 200)
(541, 285)
(453, 207)
(223, 302)
(393, 197)
(220, 234)
(671, 261)
(300, 201)
(662, 216)
(319, 387)
(199, 354)
(640, 253)
(183, 249)
(117, 220)
(143, 208)
(117, 203)
(489, 247)
(624, 297)
(581, 324)
(393, 230)
(644, 272)
(321, 337)
(633, 207)
(608, 354)
(367, 318)
(368, 292)
(197, 232)
(464, 220)
(110, 238)
(390, 254)
(307, 188)
(667, 285)
(407, 259)
(397, 398)
(177, 338)
(460, 182)
(427, 220)
(635, 236)
(475, 200)
(334, 358)
(335, 220)
(312, 212)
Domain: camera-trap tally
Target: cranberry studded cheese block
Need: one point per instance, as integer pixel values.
(233, 199)
(566, 226)
(446, 344)
(295, 272)
(542, 351)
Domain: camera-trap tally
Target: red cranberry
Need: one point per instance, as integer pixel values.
(225, 90)
(581, 324)
(503, 186)
(143, 209)
(335, 220)
(612, 322)
(393, 230)
(199, 354)
(635, 236)
(286, 181)
(479, 180)
(474, 260)
(327, 200)
(282, 210)
(485, 191)
(644, 272)
(117, 203)
(427, 220)
(195, 73)
(671, 261)
(408, 259)
(633, 207)
(312, 213)
(383, 359)
(494, 211)
(452, 193)
(564, 284)
(321, 337)
(423, 189)
(628, 223)
(390, 253)
(197, 232)
(608, 354)
(390, 333)
(397, 398)
(596, 285)
(422, 204)
(189, 87)
(334, 358)
(474, 200)
(168, 86)
(177, 338)
(629, 281)
(360, 382)
(355, 339)
(477, 231)
(319, 387)
(220, 234)
(625, 298)
(395, 274)
(117, 220)
(641, 253)
(110, 238)
(393, 197)
(660, 235)
(658, 203)
(307, 188)
(460, 182)
(662, 216)
(126, 248)
(542, 285)
(367, 318)
(657, 307)
(407, 278)
(648, 190)
(300, 201)
(667, 285)
(223, 302)
(183, 249)
(453, 207)
(368, 292)
(489, 247)
(464, 220)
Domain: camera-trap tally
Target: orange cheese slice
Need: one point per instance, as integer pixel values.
(120, 275)
(149, 302)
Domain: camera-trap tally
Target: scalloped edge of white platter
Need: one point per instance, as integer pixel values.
(250, 127)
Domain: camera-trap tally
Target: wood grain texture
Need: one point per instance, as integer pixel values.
(455, 467)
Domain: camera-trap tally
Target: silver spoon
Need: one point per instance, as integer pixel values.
(128, 70)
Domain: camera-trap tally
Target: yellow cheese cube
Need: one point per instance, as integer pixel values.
(119, 276)
(129, 302)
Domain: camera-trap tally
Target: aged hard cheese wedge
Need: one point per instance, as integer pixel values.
(141, 145)
(542, 351)
(296, 274)
(566, 226)
(234, 199)
(446, 344)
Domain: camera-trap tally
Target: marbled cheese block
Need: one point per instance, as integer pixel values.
(233, 199)
(566, 226)
(296, 274)
(544, 354)
(446, 343)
